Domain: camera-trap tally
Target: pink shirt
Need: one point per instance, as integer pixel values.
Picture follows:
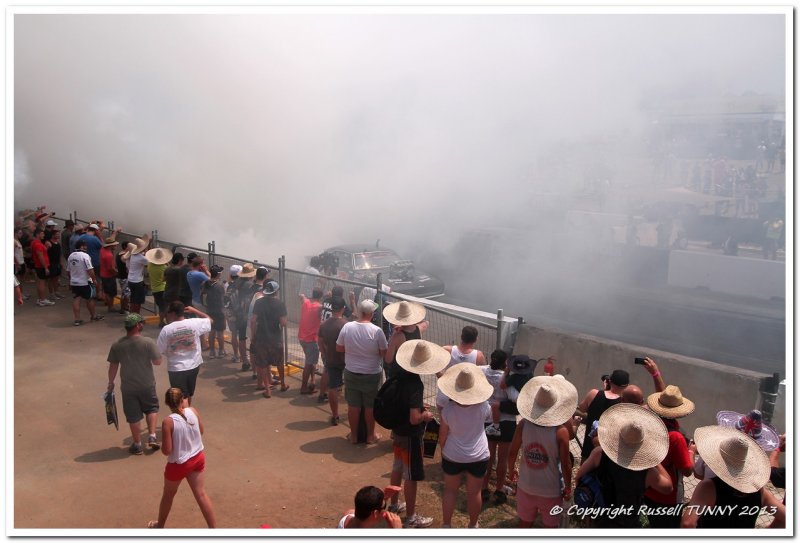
(309, 320)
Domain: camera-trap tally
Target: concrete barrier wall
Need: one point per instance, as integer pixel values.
(739, 275)
(583, 359)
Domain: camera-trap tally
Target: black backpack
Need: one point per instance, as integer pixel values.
(389, 408)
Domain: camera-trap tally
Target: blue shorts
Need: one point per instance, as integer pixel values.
(335, 377)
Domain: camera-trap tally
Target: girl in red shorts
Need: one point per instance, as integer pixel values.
(182, 443)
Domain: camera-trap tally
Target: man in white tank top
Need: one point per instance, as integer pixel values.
(465, 351)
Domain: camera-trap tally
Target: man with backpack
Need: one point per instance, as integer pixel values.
(399, 406)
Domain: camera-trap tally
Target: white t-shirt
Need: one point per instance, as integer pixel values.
(466, 440)
(136, 266)
(78, 266)
(179, 341)
(186, 438)
(362, 341)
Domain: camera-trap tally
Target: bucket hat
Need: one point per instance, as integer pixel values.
(466, 384)
(734, 457)
(422, 357)
(404, 313)
(670, 403)
(633, 437)
(548, 401)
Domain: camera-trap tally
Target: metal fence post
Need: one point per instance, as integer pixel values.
(211, 250)
(379, 286)
(282, 282)
(500, 327)
(769, 396)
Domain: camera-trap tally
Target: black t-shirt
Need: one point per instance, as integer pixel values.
(412, 390)
(327, 310)
(268, 312)
(329, 333)
(172, 279)
(185, 290)
(122, 267)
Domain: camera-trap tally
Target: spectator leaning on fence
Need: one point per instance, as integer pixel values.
(364, 346)
(307, 330)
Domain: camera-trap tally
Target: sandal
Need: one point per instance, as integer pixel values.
(377, 438)
(284, 388)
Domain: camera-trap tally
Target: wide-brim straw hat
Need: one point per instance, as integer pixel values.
(404, 313)
(670, 403)
(158, 255)
(751, 424)
(466, 384)
(139, 244)
(633, 437)
(248, 270)
(422, 357)
(734, 456)
(548, 401)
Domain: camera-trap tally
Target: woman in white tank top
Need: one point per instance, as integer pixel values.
(183, 445)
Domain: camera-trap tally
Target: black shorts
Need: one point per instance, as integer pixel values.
(242, 329)
(184, 380)
(476, 469)
(40, 273)
(217, 321)
(21, 270)
(137, 292)
(507, 429)
(267, 353)
(137, 403)
(109, 285)
(55, 270)
(81, 291)
(158, 298)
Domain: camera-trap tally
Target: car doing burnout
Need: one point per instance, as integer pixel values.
(363, 264)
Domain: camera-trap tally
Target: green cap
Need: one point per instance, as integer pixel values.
(132, 320)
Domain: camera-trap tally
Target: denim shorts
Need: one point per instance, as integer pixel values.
(311, 352)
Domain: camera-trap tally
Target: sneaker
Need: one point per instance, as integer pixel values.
(234, 359)
(493, 431)
(275, 381)
(222, 354)
(59, 296)
(418, 521)
(245, 366)
(212, 354)
(77, 323)
(395, 508)
(322, 398)
(153, 443)
(335, 422)
(136, 448)
(44, 303)
(98, 317)
(26, 297)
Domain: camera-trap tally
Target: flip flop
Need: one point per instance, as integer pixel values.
(349, 440)
(153, 524)
(284, 388)
(377, 438)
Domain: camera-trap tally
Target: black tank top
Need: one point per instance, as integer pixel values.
(391, 369)
(596, 408)
(622, 487)
(743, 515)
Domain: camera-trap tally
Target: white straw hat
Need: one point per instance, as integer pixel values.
(670, 403)
(139, 244)
(422, 357)
(158, 255)
(466, 384)
(734, 456)
(404, 313)
(548, 401)
(633, 437)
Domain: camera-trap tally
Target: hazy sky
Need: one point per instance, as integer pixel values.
(288, 133)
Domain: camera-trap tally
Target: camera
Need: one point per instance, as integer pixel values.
(639, 361)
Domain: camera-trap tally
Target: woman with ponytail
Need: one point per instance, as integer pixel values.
(182, 444)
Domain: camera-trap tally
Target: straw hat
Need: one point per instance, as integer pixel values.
(633, 437)
(547, 401)
(139, 244)
(422, 357)
(466, 384)
(248, 270)
(670, 403)
(751, 424)
(404, 313)
(734, 456)
(159, 256)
